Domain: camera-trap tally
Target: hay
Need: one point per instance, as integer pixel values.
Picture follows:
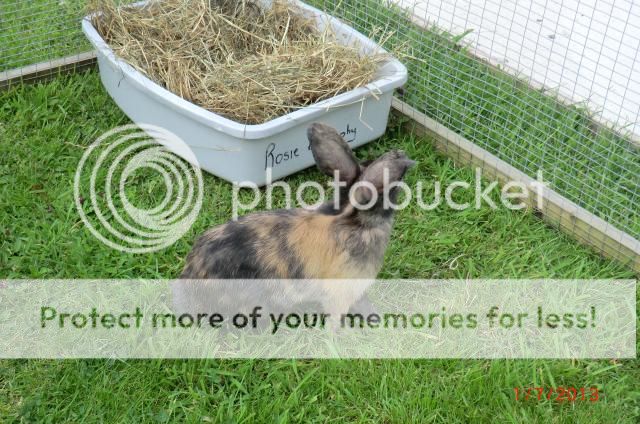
(234, 58)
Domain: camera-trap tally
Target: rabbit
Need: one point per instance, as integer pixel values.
(332, 241)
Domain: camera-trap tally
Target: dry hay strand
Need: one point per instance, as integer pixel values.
(234, 58)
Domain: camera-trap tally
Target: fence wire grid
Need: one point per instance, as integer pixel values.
(541, 84)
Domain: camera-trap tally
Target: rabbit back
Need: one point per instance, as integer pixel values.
(287, 244)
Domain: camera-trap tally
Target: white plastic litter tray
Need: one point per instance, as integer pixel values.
(242, 153)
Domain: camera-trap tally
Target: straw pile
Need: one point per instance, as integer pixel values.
(235, 58)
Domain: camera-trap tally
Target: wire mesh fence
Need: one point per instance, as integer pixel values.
(39, 31)
(545, 85)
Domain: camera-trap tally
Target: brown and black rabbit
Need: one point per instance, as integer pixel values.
(334, 241)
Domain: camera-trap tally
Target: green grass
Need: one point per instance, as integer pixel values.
(44, 130)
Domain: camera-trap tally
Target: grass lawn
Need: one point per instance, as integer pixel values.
(43, 132)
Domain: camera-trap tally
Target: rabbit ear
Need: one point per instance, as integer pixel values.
(390, 167)
(332, 153)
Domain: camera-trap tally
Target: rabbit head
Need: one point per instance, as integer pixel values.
(368, 189)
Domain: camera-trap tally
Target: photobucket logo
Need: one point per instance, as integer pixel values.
(362, 195)
(107, 174)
